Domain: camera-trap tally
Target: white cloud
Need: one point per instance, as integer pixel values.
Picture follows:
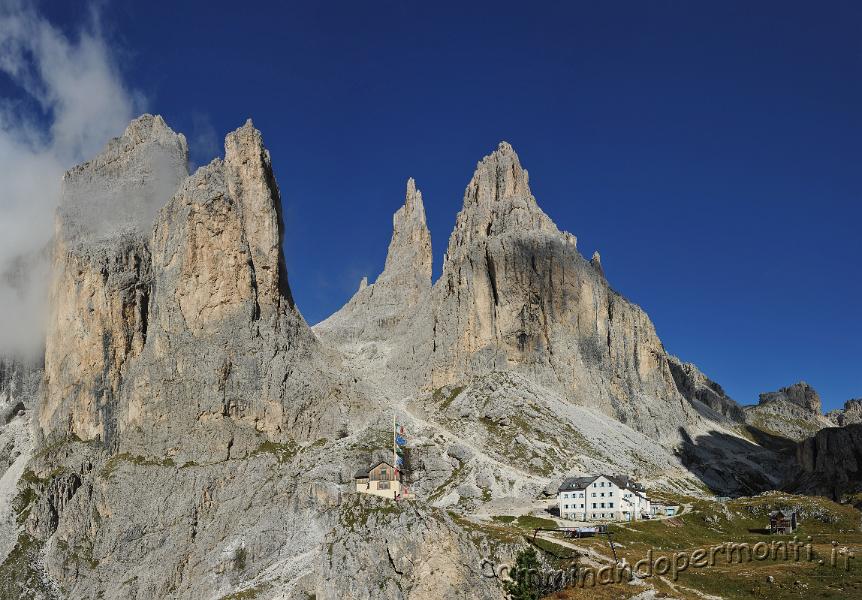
(69, 100)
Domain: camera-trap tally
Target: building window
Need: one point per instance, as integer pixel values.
(382, 485)
(610, 504)
(594, 504)
(594, 494)
(610, 493)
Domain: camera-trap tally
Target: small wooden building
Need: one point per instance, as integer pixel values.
(382, 479)
(783, 522)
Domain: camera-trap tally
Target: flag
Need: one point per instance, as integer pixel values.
(400, 440)
(399, 462)
(399, 450)
(399, 428)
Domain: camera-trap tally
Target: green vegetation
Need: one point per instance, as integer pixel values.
(115, 461)
(445, 395)
(531, 522)
(19, 578)
(454, 478)
(247, 594)
(359, 508)
(240, 556)
(503, 518)
(283, 452)
(742, 521)
(524, 584)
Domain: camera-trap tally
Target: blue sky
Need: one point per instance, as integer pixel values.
(712, 151)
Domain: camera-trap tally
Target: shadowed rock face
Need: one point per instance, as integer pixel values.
(694, 385)
(831, 462)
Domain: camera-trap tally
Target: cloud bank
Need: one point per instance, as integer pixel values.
(66, 99)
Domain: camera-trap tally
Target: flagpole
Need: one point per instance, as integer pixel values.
(394, 451)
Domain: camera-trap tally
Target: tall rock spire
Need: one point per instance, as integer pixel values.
(409, 257)
(377, 309)
(249, 177)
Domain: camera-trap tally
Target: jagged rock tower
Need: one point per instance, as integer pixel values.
(198, 289)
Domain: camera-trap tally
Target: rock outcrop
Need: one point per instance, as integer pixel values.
(793, 412)
(850, 414)
(20, 380)
(799, 394)
(695, 386)
(102, 276)
(423, 547)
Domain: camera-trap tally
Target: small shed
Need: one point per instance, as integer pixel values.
(783, 521)
(382, 479)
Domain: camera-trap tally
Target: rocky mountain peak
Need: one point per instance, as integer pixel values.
(122, 189)
(497, 200)
(800, 394)
(849, 415)
(410, 247)
(376, 310)
(149, 127)
(596, 261)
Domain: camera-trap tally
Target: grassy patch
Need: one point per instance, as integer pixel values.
(356, 512)
(454, 478)
(246, 594)
(741, 521)
(19, 578)
(531, 522)
(118, 459)
(445, 395)
(283, 452)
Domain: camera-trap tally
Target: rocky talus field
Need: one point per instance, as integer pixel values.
(186, 434)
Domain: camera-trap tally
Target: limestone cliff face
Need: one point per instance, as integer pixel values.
(830, 461)
(378, 310)
(102, 276)
(515, 295)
